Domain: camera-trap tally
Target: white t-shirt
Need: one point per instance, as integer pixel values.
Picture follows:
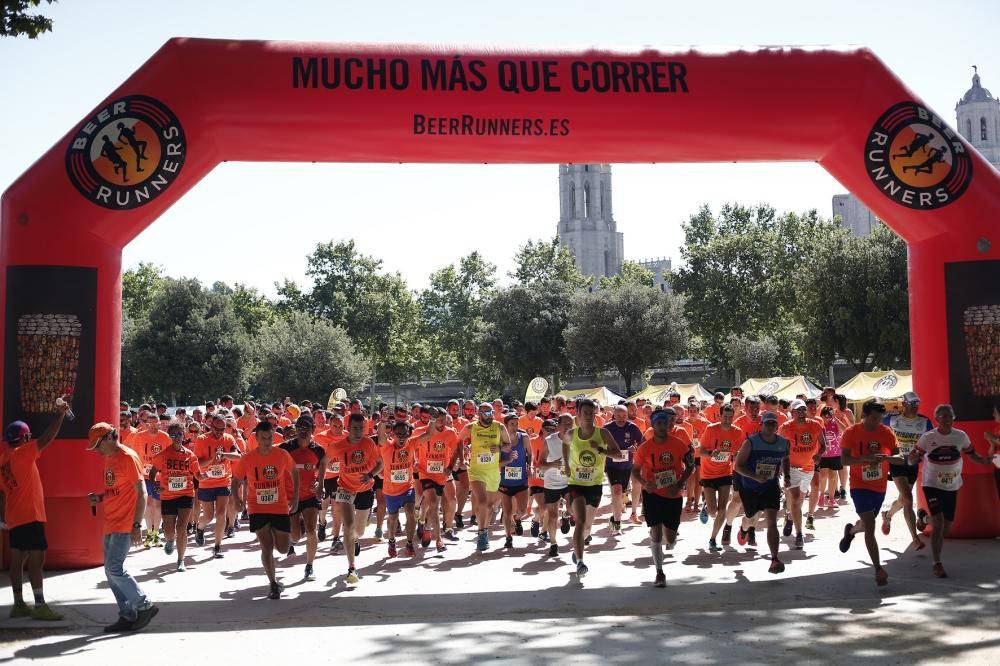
(554, 478)
(942, 458)
(907, 430)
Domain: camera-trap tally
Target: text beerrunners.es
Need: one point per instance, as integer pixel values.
(469, 125)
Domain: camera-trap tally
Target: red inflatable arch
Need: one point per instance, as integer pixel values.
(197, 103)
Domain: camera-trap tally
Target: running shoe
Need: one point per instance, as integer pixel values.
(236, 524)
(543, 537)
(881, 577)
(635, 519)
(472, 520)
(777, 566)
(845, 543)
(357, 547)
(628, 502)
(508, 542)
(190, 529)
(727, 535)
(244, 515)
(564, 525)
(572, 556)
(425, 538)
(440, 546)
(587, 541)
(752, 537)
(660, 580)
(378, 533)
(886, 526)
(518, 528)
(181, 567)
(572, 521)
(937, 570)
(310, 575)
(43, 612)
(482, 540)
(392, 548)
(581, 569)
(420, 534)
(352, 576)
(459, 523)
(156, 541)
(535, 528)
(713, 546)
(798, 542)
(121, 624)
(810, 522)
(703, 516)
(199, 537)
(337, 546)
(321, 532)
(553, 550)
(217, 552)
(741, 537)
(291, 551)
(168, 547)
(408, 550)
(450, 535)
(787, 529)
(230, 532)
(147, 543)
(922, 518)
(144, 616)
(275, 592)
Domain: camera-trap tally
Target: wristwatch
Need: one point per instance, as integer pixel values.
(137, 526)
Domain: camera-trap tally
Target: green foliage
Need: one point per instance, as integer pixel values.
(15, 20)
(628, 328)
(632, 274)
(252, 308)
(139, 286)
(754, 358)
(541, 262)
(306, 357)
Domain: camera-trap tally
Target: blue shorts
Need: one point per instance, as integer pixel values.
(151, 490)
(866, 501)
(393, 503)
(212, 494)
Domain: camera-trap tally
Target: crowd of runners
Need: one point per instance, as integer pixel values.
(303, 472)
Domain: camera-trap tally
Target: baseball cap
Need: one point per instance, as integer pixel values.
(911, 397)
(305, 420)
(16, 430)
(97, 432)
(797, 404)
(768, 417)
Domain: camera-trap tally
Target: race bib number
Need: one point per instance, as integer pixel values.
(216, 471)
(147, 469)
(343, 497)
(335, 467)
(665, 478)
(948, 478)
(485, 458)
(583, 474)
(537, 473)
(871, 471)
(435, 467)
(513, 473)
(176, 483)
(905, 448)
(766, 470)
(267, 495)
(400, 475)
(720, 456)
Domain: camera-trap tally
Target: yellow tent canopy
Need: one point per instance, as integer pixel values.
(601, 394)
(887, 385)
(783, 387)
(658, 393)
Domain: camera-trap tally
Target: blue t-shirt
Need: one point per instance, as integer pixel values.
(515, 472)
(765, 458)
(626, 436)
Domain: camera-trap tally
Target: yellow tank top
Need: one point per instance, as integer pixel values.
(485, 447)
(586, 465)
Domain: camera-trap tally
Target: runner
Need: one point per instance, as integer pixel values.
(437, 453)
(619, 470)
(23, 512)
(267, 472)
(868, 446)
(908, 428)
(584, 450)
(556, 483)
(327, 439)
(487, 441)
(807, 443)
(360, 463)
(830, 463)
(941, 450)
(663, 464)
(749, 423)
(216, 451)
(536, 479)
(172, 476)
(148, 444)
(514, 468)
(719, 446)
(762, 457)
(398, 451)
(309, 458)
(124, 500)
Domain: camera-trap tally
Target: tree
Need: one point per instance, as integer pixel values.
(16, 21)
(632, 273)
(545, 262)
(139, 286)
(628, 329)
(252, 308)
(864, 320)
(306, 357)
(753, 358)
(522, 337)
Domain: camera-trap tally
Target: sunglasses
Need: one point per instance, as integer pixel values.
(487, 412)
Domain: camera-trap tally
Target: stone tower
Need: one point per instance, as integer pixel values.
(586, 224)
(979, 120)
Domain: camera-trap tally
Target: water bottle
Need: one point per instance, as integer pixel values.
(69, 412)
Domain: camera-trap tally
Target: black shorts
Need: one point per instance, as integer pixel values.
(590, 494)
(831, 462)
(511, 491)
(279, 522)
(30, 536)
(552, 496)
(717, 482)
(904, 472)
(941, 501)
(330, 486)
(170, 507)
(697, 461)
(754, 501)
(308, 503)
(427, 484)
(664, 511)
(618, 477)
(537, 489)
(364, 501)
(378, 484)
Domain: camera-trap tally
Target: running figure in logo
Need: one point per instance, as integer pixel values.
(919, 142)
(927, 166)
(127, 135)
(110, 151)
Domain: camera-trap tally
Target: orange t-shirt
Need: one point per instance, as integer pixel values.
(355, 460)
(434, 452)
(397, 466)
(126, 434)
(21, 484)
(713, 413)
(747, 425)
(539, 452)
(858, 442)
(207, 447)
(530, 424)
(148, 445)
(175, 472)
(121, 470)
(803, 441)
(641, 423)
(682, 432)
(267, 477)
(327, 440)
(662, 463)
(698, 426)
(246, 424)
(719, 447)
(307, 463)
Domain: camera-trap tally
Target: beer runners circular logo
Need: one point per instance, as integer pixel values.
(270, 472)
(127, 154)
(887, 383)
(916, 159)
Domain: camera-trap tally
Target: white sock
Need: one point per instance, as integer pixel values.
(655, 547)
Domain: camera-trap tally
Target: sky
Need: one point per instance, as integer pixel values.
(49, 84)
